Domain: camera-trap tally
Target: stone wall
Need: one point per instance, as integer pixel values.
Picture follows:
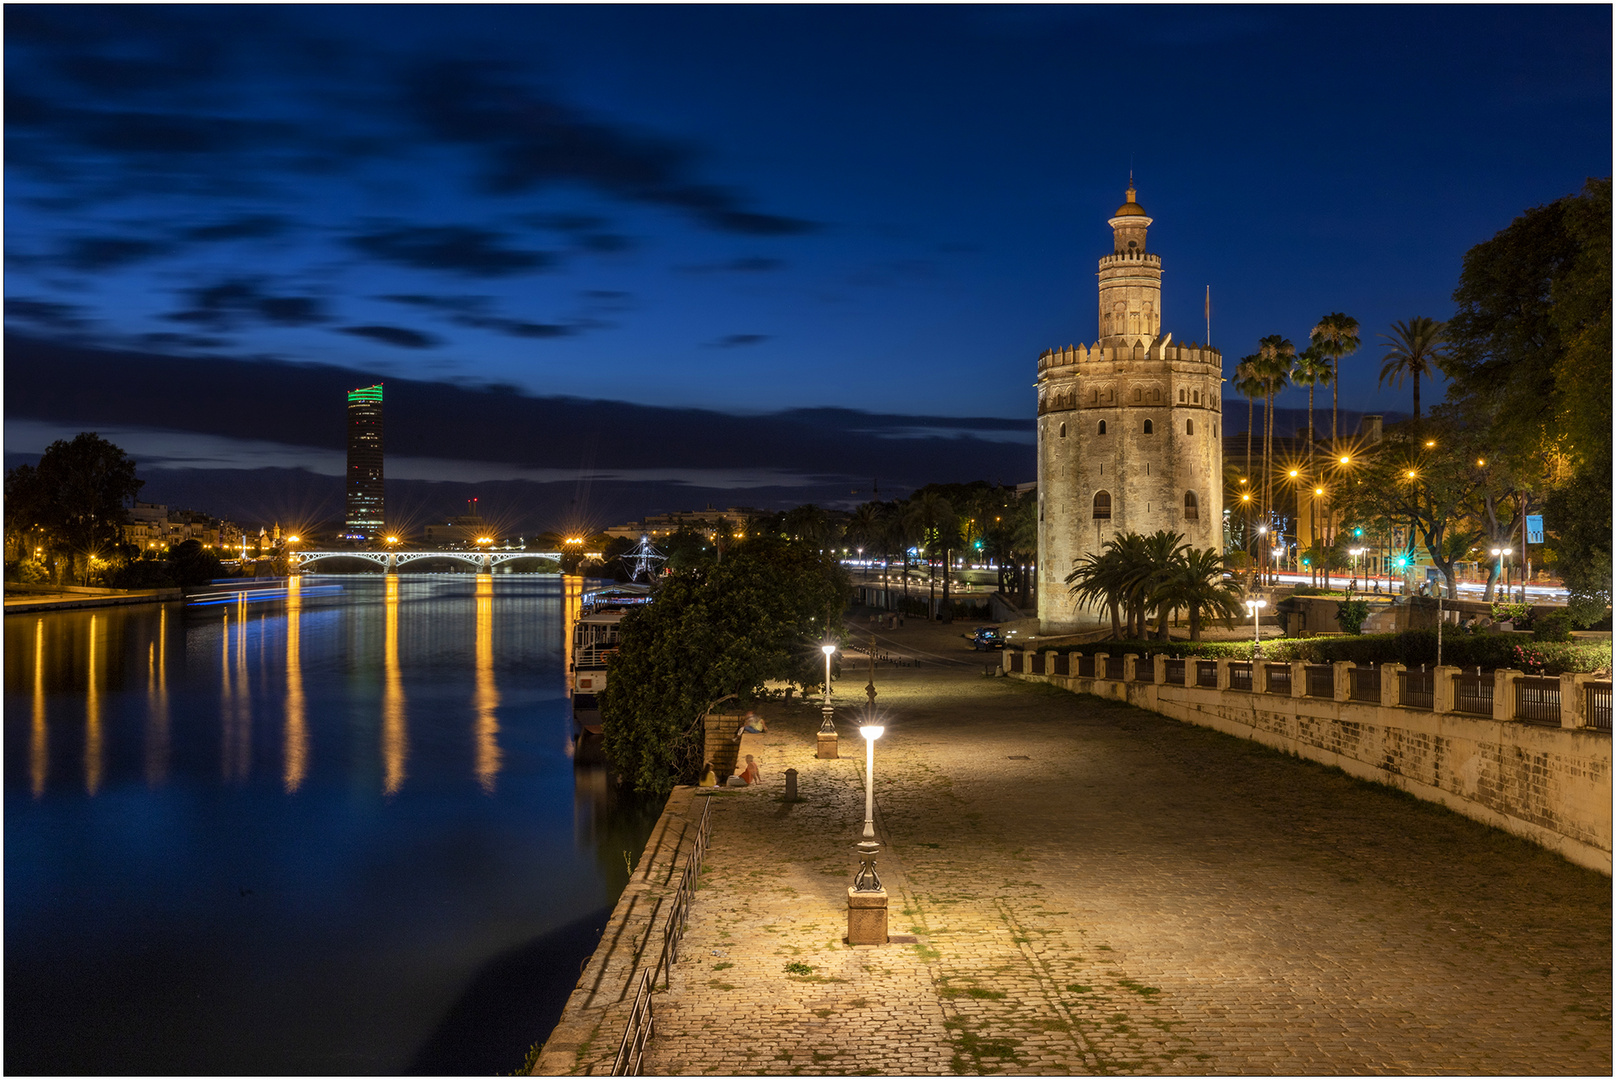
(1551, 785)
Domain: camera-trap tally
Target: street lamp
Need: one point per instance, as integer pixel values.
(871, 732)
(1255, 607)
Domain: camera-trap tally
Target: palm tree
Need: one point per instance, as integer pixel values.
(1248, 380)
(1195, 582)
(1276, 355)
(1413, 348)
(1312, 370)
(936, 518)
(1163, 552)
(1335, 336)
(1098, 578)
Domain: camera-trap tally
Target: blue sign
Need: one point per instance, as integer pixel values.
(1534, 528)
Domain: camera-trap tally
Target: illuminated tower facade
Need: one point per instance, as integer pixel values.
(366, 510)
(1128, 429)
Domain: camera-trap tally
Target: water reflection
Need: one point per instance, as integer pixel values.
(157, 747)
(235, 703)
(487, 696)
(39, 738)
(395, 733)
(296, 752)
(92, 718)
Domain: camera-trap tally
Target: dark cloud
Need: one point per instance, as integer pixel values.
(246, 227)
(229, 304)
(439, 303)
(753, 264)
(454, 249)
(163, 339)
(93, 253)
(530, 142)
(473, 312)
(46, 313)
(519, 328)
(393, 335)
(735, 341)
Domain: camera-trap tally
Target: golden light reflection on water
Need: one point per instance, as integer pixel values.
(395, 733)
(39, 737)
(157, 719)
(297, 732)
(93, 748)
(486, 697)
(235, 704)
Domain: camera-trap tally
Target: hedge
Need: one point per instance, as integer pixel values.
(1412, 648)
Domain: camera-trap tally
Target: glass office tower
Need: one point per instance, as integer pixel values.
(365, 508)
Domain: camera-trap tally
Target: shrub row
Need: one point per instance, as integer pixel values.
(1411, 648)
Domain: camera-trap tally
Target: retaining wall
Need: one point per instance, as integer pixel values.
(1551, 785)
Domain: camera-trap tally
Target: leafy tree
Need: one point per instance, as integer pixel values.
(1276, 356)
(1413, 348)
(191, 564)
(1336, 336)
(712, 630)
(938, 523)
(78, 494)
(1195, 582)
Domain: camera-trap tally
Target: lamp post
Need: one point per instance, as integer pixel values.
(1498, 555)
(827, 730)
(1255, 606)
(871, 732)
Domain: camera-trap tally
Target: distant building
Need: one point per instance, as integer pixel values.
(1127, 429)
(657, 525)
(366, 509)
(459, 532)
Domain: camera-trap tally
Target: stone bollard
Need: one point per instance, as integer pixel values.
(866, 917)
(1298, 679)
(791, 785)
(1504, 693)
(1100, 659)
(1442, 688)
(1390, 685)
(1130, 667)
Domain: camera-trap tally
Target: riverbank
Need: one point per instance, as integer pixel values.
(24, 598)
(1094, 888)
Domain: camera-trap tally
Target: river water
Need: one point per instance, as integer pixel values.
(337, 831)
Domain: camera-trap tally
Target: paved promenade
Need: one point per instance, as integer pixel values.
(1090, 888)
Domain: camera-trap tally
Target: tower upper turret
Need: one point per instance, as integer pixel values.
(1130, 279)
(1129, 223)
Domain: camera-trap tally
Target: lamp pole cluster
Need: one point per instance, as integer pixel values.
(867, 899)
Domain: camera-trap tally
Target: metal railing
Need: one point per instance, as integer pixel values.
(1239, 675)
(1320, 681)
(1037, 664)
(1175, 671)
(1416, 689)
(1596, 705)
(1277, 679)
(1537, 701)
(1364, 684)
(1063, 664)
(1015, 663)
(1085, 667)
(641, 1019)
(1113, 667)
(1473, 694)
(1144, 669)
(1206, 673)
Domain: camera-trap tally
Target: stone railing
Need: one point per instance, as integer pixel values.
(1528, 754)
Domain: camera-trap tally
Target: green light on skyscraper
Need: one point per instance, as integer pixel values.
(366, 393)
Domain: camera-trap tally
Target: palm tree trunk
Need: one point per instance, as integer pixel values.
(947, 614)
(1416, 397)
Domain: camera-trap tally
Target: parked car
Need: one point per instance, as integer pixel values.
(988, 637)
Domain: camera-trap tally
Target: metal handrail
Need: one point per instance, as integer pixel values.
(641, 1020)
(1320, 680)
(1175, 671)
(1473, 694)
(1239, 675)
(1206, 673)
(1113, 668)
(1277, 679)
(1597, 705)
(1364, 684)
(1085, 667)
(1537, 700)
(1416, 689)
(1144, 669)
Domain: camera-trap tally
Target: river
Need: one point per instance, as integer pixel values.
(337, 831)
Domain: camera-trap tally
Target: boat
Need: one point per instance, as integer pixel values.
(595, 638)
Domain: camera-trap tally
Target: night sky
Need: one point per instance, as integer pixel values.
(867, 220)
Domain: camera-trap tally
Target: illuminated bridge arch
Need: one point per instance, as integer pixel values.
(392, 560)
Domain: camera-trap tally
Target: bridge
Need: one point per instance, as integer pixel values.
(390, 561)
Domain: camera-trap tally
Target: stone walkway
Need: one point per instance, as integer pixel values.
(1090, 888)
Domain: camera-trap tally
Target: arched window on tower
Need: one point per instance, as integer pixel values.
(1197, 397)
(1063, 430)
(1192, 509)
(1102, 506)
(1189, 427)
(1150, 429)
(1181, 397)
(1102, 427)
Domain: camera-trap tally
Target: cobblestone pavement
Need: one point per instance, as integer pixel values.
(1092, 888)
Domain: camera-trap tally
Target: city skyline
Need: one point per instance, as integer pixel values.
(875, 211)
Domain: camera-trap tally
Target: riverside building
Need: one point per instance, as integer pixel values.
(366, 509)
(1127, 429)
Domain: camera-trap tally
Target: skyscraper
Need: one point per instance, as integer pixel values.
(365, 507)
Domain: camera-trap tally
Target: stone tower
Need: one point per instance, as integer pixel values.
(1128, 429)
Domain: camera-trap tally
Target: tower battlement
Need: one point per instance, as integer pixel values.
(1073, 355)
(1136, 258)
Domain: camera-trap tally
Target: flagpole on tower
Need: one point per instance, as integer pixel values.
(1209, 316)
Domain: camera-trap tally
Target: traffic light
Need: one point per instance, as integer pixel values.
(1307, 562)
(1401, 562)
(1357, 532)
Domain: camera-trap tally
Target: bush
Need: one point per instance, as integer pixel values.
(1351, 615)
(1553, 626)
(26, 572)
(1519, 614)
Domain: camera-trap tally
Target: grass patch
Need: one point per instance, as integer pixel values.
(985, 995)
(1078, 988)
(716, 985)
(1146, 992)
(725, 966)
(796, 968)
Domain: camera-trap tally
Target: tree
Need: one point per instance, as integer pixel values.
(1312, 371)
(1195, 581)
(1413, 348)
(1275, 358)
(1335, 336)
(712, 630)
(938, 523)
(78, 494)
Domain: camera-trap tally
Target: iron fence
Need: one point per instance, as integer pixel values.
(1416, 689)
(1144, 669)
(1537, 701)
(641, 1017)
(1037, 663)
(1014, 662)
(1085, 667)
(1175, 672)
(1364, 684)
(1596, 705)
(1063, 664)
(1113, 667)
(1239, 676)
(1277, 679)
(1206, 673)
(1473, 694)
(1320, 681)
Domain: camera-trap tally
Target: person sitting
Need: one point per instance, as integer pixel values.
(753, 724)
(751, 774)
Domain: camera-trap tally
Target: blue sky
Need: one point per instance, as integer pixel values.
(752, 209)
